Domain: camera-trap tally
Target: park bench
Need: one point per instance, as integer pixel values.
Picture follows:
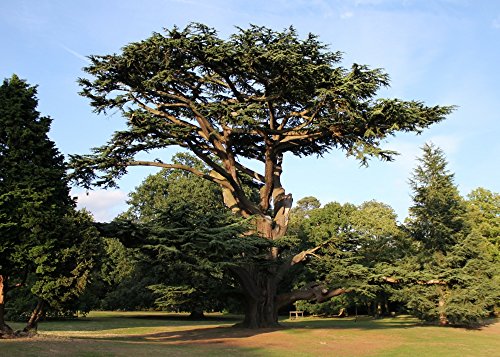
(296, 314)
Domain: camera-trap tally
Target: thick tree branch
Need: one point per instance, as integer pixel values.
(266, 190)
(312, 292)
(162, 114)
(392, 280)
(253, 174)
(194, 171)
(290, 115)
(272, 118)
(296, 259)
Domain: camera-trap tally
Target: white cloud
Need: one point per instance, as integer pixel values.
(103, 204)
(346, 15)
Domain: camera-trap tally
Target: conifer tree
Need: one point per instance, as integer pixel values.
(43, 241)
(483, 213)
(254, 97)
(437, 215)
(450, 277)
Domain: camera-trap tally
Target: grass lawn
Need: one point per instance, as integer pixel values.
(162, 334)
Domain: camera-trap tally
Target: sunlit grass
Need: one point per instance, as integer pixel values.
(162, 334)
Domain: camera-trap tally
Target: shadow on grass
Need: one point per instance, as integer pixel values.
(215, 327)
(218, 334)
(360, 323)
(223, 318)
(133, 321)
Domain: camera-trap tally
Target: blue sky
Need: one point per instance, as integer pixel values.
(438, 51)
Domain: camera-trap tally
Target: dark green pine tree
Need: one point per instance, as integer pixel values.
(437, 215)
(42, 238)
(450, 274)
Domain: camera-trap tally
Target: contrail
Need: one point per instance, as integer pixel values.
(74, 53)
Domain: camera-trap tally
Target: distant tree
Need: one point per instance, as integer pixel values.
(450, 275)
(184, 280)
(254, 97)
(44, 242)
(483, 213)
(340, 269)
(380, 241)
(379, 237)
(437, 216)
(307, 203)
(355, 240)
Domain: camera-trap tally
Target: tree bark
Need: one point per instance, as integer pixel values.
(4, 328)
(37, 313)
(259, 287)
(443, 319)
(197, 314)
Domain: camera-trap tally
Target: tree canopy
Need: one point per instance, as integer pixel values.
(257, 95)
(250, 98)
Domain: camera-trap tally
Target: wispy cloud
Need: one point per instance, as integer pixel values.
(346, 15)
(103, 204)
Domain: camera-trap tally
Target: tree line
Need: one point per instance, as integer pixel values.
(210, 232)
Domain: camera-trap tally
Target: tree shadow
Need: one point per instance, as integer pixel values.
(103, 323)
(216, 334)
(364, 323)
(222, 327)
(200, 333)
(370, 323)
(223, 318)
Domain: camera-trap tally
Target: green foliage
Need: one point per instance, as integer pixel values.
(453, 276)
(175, 188)
(46, 246)
(258, 87)
(182, 237)
(331, 307)
(437, 215)
(33, 194)
(122, 281)
(483, 213)
(354, 240)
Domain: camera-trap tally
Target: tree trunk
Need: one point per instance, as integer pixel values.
(197, 314)
(259, 289)
(443, 319)
(4, 328)
(37, 313)
(378, 310)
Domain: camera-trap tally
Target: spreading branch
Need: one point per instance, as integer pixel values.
(312, 292)
(392, 280)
